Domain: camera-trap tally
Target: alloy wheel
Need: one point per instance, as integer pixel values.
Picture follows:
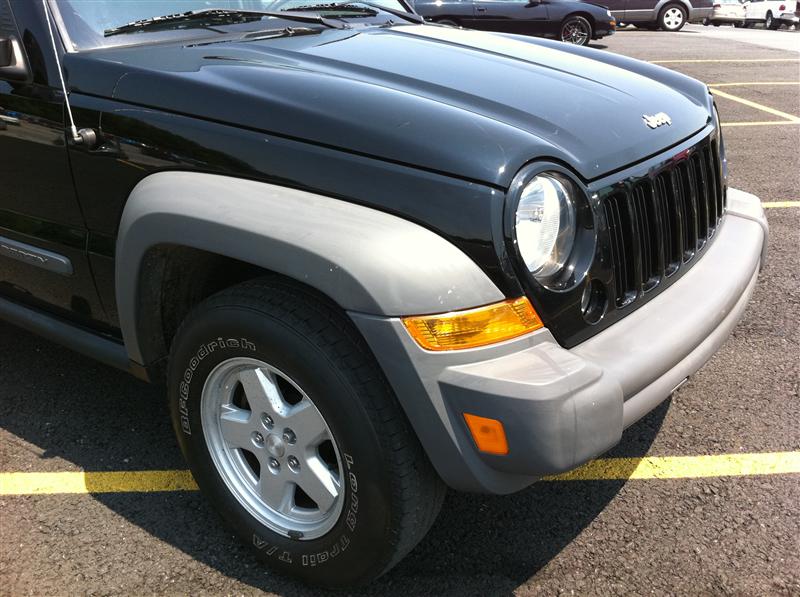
(272, 448)
(575, 32)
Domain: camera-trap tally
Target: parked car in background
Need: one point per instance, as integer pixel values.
(568, 20)
(669, 15)
(769, 13)
(728, 12)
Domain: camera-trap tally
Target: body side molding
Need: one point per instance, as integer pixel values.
(35, 256)
(365, 260)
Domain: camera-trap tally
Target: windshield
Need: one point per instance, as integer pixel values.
(88, 22)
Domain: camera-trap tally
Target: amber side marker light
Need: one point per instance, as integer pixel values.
(489, 435)
(476, 327)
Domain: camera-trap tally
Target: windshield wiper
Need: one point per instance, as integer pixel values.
(409, 16)
(218, 16)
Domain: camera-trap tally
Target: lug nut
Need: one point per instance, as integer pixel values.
(267, 420)
(258, 439)
(294, 464)
(288, 436)
(273, 463)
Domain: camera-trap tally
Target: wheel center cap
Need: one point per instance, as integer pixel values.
(275, 446)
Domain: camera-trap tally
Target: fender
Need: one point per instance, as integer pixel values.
(365, 260)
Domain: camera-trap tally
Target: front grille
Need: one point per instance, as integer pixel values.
(659, 223)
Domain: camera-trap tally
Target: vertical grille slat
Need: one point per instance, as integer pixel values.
(708, 188)
(688, 209)
(649, 235)
(716, 178)
(620, 224)
(660, 221)
(670, 223)
(700, 198)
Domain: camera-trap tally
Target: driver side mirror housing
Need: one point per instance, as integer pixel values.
(13, 66)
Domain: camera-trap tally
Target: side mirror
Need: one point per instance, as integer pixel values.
(13, 66)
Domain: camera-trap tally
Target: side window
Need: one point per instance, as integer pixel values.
(7, 27)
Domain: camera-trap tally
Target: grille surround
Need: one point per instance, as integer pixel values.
(659, 223)
(563, 309)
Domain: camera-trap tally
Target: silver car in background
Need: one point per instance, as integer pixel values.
(727, 12)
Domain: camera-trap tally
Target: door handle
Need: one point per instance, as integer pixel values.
(480, 9)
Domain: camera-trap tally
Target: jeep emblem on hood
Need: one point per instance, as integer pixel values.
(656, 120)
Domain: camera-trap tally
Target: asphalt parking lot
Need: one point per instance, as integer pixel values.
(712, 523)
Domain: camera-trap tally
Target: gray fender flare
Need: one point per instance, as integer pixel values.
(365, 260)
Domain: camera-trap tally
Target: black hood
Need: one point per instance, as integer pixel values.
(471, 104)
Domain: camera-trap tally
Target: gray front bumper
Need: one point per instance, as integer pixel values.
(561, 408)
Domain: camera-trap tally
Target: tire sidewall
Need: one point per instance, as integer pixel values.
(348, 551)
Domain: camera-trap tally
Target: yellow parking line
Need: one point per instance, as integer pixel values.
(772, 204)
(603, 469)
(699, 60)
(95, 482)
(686, 467)
(754, 83)
(762, 123)
(755, 105)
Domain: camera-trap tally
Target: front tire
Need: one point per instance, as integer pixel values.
(672, 17)
(771, 22)
(576, 30)
(293, 433)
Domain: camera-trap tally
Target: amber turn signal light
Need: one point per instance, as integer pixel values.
(489, 435)
(476, 327)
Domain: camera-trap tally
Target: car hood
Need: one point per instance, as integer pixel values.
(469, 104)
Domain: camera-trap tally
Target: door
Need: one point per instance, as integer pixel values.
(617, 8)
(525, 17)
(43, 239)
(756, 10)
(637, 11)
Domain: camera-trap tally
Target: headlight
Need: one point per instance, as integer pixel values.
(545, 225)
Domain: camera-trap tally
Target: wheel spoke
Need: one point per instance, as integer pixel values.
(318, 482)
(276, 490)
(236, 427)
(307, 424)
(262, 392)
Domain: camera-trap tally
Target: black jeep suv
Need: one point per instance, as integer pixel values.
(368, 257)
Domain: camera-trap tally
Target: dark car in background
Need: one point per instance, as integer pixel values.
(568, 20)
(668, 15)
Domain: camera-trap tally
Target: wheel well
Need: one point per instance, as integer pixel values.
(585, 15)
(674, 3)
(173, 280)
